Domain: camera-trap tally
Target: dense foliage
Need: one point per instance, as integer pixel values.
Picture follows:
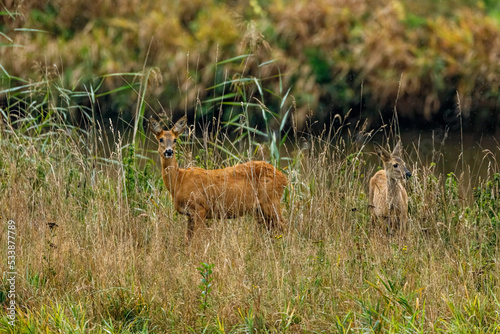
(336, 55)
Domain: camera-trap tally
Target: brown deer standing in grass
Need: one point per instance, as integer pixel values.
(254, 187)
(388, 197)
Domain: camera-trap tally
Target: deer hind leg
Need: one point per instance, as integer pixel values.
(271, 215)
(269, 206)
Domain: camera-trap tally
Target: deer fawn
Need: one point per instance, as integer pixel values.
(388, 197)
(254, 187)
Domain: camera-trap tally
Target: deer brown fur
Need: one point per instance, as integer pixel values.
(255, 187)
(388, 197)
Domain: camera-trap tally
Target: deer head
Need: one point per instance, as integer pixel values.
(168, 139)
(394, 166)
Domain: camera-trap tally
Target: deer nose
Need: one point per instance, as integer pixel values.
(408, 174)
(168, 153)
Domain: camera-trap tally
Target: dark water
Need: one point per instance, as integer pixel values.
(476, 155)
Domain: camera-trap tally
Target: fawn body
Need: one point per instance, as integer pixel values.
(388, 197)
(254, 187)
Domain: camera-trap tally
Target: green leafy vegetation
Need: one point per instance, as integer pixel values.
(332, 56)
(206, 271)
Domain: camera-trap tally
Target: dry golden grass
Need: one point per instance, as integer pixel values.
(117, 261)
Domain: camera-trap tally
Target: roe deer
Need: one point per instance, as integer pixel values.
(388, 197)
(254, 187)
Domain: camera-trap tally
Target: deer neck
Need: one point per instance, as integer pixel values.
(393, 191)
(169, 171)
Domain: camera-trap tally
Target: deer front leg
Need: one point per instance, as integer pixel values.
(196, 219)
(190, 228)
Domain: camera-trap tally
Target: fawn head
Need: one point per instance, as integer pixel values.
(394, 166)
(167, 139)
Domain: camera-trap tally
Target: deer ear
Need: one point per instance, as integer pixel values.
(397, 149)
(155, 127)
(382, 152)
(180, 126)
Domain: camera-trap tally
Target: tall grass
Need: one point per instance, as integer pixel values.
(116, 260)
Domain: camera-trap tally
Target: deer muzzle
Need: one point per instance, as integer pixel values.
(407, 173)
(169, 153)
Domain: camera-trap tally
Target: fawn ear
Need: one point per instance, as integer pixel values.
(397, 150)
(155, 127)
(382, 152)
(180, 126)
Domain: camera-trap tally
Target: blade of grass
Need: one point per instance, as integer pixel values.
(230, 60)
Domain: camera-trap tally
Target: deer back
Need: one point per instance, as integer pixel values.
(229, 192)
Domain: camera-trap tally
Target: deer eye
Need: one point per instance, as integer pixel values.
(395, 165)
(161, 140)
(175, 140)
